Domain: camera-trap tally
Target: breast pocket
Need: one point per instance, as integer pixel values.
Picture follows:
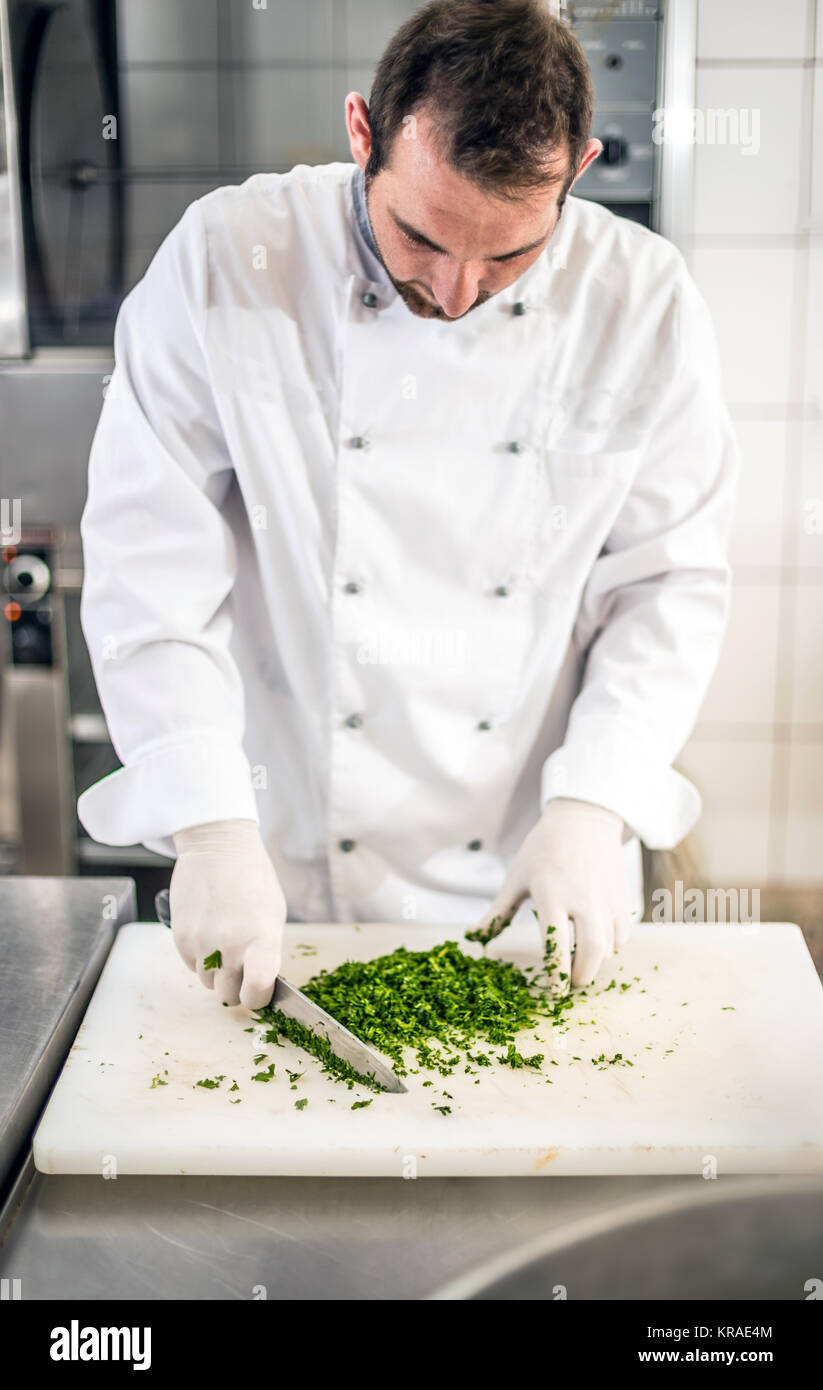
(580, 493)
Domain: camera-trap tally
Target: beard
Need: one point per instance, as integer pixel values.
(427, 308)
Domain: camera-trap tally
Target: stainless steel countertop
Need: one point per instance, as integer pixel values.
(55, 934)
(297, 1238)
(227, 1238)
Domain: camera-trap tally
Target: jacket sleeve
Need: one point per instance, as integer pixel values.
(655, 606)
(159, 566)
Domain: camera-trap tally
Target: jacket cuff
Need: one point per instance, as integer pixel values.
(617, 766)
(170, 787)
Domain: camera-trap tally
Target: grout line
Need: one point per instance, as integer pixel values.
(780, 795)
(798, 576)
(774, 410)
(755, 241)
(770, 64)
(718, 731)
(170, 66)
(225, 93)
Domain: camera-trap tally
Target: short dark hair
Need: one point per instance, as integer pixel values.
(507, 84)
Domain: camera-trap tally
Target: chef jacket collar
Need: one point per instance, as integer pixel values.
(361, 212)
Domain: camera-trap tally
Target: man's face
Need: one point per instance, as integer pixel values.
(447, 245)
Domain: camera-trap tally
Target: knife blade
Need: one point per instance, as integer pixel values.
(297, 1005)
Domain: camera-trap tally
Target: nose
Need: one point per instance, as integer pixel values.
(456, 288)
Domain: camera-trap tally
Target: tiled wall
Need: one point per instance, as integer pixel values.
(757, 256)
(215, 90)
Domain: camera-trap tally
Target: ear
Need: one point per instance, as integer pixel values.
(357, 125)
(592, 150)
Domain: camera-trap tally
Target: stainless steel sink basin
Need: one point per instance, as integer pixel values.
(738, 1238)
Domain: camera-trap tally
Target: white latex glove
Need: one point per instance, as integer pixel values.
(572, 866)
(225, 896)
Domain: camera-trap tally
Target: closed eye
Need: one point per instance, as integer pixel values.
(421, 245)
(413, 241)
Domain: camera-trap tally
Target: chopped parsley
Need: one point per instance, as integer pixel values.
(266, 1075)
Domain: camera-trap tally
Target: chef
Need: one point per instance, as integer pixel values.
(405, 565)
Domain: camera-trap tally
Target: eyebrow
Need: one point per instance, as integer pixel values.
(427, 241)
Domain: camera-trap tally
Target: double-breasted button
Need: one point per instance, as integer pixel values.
(369, 299)
(475, 844)
(502, 591)
(352, 587)
(358, 442)
(514, 446)
(484, 726)
(347, 846)
(518, 308)
(354, 721)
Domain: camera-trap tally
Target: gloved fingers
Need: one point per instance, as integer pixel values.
(261, 966)
(622, 930)
(555, 931)
(499, 914)
(227, 983)
(206, 977)
(185, 945)
(594, 936)
(182, 927)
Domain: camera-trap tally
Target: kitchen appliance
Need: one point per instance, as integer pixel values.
(35, 752)
(623, 45)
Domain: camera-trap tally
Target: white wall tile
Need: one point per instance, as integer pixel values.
(807, 524)
(813, 390)
(752, 186)
(749, 293)
(170, 122)
(742, 690)
(167, 31)
(734, 780)
(152, 209)
(284, 117)
(369, 26)
(752, 29)
(804, 837)
(286, 30)
(807, 666)
(756, 537)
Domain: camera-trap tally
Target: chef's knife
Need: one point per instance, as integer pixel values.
(294, 1004)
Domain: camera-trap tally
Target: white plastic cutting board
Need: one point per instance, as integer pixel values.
(724, 1028)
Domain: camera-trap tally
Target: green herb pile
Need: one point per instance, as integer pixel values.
(440, 1007)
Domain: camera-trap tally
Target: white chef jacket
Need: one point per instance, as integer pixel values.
(389, 584)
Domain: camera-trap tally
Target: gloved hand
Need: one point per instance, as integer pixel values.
(572, 866)
(225, 896)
